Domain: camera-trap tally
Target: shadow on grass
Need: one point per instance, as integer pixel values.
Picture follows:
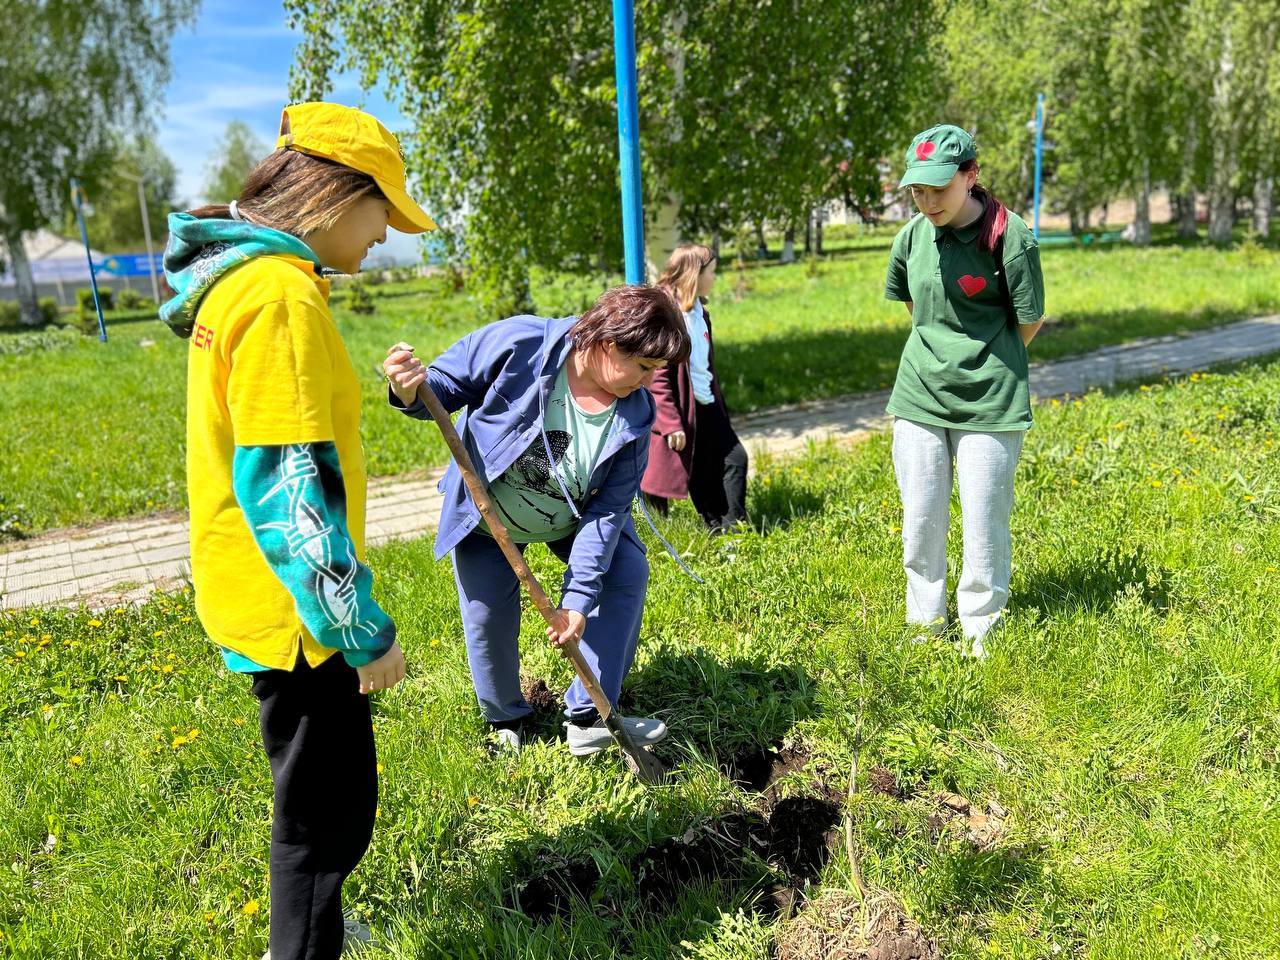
(781, 501)
(718, 706)
(971, 881)
(796, 367)
(1097, 582)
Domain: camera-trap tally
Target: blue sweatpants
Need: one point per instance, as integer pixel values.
(489, 597)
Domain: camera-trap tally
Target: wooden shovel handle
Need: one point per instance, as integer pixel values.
(480, 496)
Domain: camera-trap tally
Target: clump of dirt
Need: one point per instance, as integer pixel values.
(539, 696)
(981, 827)
(802, 834)
(832, 927)
(883, 782)
(553, 892)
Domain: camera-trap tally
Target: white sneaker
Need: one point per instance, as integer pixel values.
(584, 741)
(504, 742)
(972, 649)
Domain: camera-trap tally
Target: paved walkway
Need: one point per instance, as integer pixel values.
(124, 562)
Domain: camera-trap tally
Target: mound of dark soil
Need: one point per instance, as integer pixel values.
(802, 833)
(552, 893)
(717, 851)
(760, 768)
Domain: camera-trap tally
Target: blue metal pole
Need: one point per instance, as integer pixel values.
(76, 195)
(624, 45)
(1035, 216)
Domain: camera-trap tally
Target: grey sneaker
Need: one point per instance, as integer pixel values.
(356, 937)
(584, 741)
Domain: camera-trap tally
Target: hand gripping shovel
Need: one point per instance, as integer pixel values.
(639, 761)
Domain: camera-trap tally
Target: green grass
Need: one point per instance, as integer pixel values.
(1128, 719)
(91, 431)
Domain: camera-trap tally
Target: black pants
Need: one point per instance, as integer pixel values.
(318, 735)
(718, 484)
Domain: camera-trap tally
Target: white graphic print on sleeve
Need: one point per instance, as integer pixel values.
(307, 535)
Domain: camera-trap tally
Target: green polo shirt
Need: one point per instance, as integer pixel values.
(964, 364)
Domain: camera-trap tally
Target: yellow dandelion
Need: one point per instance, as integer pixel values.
(158, 633)
(121, 677)
(1157, 483)
(20, 654)
(179, 742)
(250, 908)
(379, 768)
(435, 643)
(77, 760)
(1248, 499)
(209, 915)
(168, 668)
(193, 733)
(95, 622)
(473, 802)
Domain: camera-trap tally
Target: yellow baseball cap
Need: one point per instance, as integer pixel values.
(354, 139)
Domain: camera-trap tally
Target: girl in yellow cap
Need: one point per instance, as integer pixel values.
(276, 485)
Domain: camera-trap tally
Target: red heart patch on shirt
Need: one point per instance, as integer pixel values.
(972, 286)
(925, 150)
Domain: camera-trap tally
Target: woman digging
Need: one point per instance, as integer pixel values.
(555, 420)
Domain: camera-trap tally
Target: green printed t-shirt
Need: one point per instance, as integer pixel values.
(527, 496)
(964, 364)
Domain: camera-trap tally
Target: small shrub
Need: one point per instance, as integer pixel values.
(84, 300)
(128, 299)
(49, 310)
(359, 300)
(11, 313)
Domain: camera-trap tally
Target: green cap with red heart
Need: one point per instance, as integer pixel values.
(936, 154)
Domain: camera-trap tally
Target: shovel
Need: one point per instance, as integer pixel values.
(638, 760)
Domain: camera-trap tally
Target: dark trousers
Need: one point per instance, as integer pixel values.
(318, 735)
(718, 484)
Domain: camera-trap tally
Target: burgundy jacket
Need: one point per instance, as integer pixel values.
(668, 472)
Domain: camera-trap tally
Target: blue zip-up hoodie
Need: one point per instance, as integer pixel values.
(503, 374)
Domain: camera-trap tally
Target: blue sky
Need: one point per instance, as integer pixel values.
(234, 65)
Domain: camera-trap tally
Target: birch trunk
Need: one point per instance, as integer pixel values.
(24, 283)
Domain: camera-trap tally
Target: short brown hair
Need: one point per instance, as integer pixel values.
(640, 321)
(297, 193)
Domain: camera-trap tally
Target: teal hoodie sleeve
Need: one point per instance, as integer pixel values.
(295, 503)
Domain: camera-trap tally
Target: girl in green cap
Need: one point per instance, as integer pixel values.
(968, 270)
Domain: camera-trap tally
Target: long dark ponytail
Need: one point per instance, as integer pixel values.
(995, 215)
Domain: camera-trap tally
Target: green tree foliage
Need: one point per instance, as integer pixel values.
(748, 111)
(74, 74)
(1139, 93)
(235, 155)
(116, 225)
